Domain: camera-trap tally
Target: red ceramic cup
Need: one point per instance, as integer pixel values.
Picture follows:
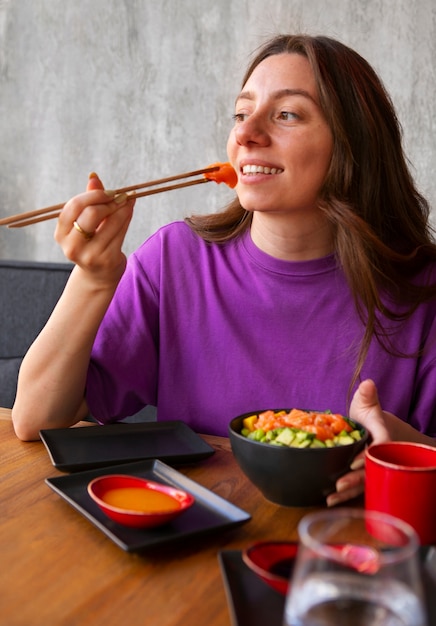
(401, 481)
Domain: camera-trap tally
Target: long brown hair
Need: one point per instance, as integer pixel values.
(380, 221)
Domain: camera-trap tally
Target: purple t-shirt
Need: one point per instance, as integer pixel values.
(206, 332)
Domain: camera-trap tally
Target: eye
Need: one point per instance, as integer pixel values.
(239, 117)
(288, 116)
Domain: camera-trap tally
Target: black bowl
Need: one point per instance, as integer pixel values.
(292, 476)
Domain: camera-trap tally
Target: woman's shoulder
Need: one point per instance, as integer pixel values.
(179, 239)
(176, 234)
(177, 244)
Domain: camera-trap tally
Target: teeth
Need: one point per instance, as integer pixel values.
(259, 169)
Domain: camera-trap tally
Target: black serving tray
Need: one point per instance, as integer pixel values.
(252, 602)
(209, 513)
(82, 448)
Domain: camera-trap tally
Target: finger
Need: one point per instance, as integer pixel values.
(366, 410)
(366, 396)
(358, 461)
(103, 226)
(338, 497)
(103, 250)
(348, 486)
(97, 202)
(92, 207)
(94, 182)
(115, 225)
(72, 209)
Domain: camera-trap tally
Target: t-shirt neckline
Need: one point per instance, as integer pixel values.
(268, 262)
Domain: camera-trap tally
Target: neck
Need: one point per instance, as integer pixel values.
(292, 239)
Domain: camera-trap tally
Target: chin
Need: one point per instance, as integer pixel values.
(255, 202)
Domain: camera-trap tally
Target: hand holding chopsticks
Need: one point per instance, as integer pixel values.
(217, 172)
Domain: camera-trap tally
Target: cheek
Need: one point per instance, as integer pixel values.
(324, 147)
(325, 157)
(317, 154)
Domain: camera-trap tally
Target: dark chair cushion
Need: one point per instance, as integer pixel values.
(29, 291)
(8, 381)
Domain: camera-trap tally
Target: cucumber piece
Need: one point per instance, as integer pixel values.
(302, 435)
(317, 443)
(344, 440)
(303, 443)
(286, 437)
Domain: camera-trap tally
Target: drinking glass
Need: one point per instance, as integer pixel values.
(355, 568)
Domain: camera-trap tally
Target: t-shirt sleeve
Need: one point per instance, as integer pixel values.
(423, 407)
(423, 414)
(122, 375)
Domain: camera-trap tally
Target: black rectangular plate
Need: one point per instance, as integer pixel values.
(209, 513)
(78, 449)
(253, 603)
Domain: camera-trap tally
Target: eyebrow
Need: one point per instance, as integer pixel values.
(277, 95)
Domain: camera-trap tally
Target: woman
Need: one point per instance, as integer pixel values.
(319, 275)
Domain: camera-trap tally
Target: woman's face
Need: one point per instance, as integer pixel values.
(280, 145)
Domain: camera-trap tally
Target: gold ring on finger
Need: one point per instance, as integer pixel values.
(88, 236)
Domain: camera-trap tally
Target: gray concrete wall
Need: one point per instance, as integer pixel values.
(139, 89)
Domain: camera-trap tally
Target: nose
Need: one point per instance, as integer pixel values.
(251, 131)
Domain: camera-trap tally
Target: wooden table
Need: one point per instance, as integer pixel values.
(57, 569)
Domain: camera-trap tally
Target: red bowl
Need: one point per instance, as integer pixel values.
(137, 502)
(273, 561)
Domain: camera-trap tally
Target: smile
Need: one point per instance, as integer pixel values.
(259, 169)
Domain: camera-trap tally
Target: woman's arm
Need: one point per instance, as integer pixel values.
(383, 426)
(51, 383)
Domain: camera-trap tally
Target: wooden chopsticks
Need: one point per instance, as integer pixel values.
(51, 212)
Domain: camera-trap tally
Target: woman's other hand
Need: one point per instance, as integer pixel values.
(382, 426)
(366, 410)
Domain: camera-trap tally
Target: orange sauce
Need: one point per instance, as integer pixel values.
(138, 499)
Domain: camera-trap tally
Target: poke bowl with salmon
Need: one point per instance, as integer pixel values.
(295, 456)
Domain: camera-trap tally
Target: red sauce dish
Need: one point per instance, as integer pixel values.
(138, 502)
(273, 561)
